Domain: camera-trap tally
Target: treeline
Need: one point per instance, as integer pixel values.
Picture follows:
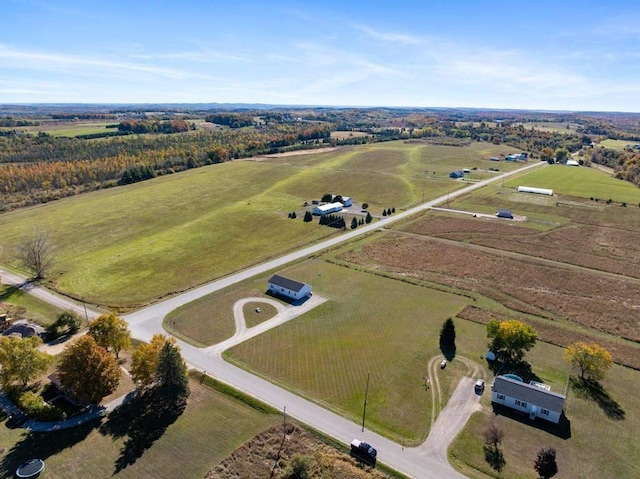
(166, 127)
(232, 120)
(625, 164)
(12, 122)
(41, 168)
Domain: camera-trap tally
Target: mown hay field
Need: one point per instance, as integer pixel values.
(127, 246)
(581, 182)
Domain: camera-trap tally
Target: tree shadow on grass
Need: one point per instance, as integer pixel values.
(592, 390)
(43, 445)
(143, 420)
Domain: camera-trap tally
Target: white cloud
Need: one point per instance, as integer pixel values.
(88, 66)
(389, 37)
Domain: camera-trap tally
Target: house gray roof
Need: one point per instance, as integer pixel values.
(529, 393)
(287, 283)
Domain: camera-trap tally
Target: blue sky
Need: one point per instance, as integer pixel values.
(560, 55)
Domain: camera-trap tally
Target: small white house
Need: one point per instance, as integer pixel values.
(328, 208)
(572, 163)
(531, 189)
(288, 287)
(536, 400)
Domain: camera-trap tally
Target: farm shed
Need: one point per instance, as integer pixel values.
(347, 201)
(531, 189)
(288, 287)
(456, 174)
(328, 208)
(536, 400)
(494, 158)
(504, 213)
(572, 163)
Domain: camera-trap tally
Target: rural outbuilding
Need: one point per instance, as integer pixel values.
(328, 208)
(503, 213)
(538, 191)
(456, 174)
(290, 288)
(536, 400)
(572, 163)
(346, 200)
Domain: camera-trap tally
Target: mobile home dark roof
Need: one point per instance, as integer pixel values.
(283, 282)
(529, 393)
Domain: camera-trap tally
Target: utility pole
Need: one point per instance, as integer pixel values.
(366, 394)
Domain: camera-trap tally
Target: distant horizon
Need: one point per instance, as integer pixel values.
(259, 105)
(571, 56)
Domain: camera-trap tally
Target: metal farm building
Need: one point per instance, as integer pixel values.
(531, 189)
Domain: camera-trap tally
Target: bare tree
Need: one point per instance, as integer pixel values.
(36, 252)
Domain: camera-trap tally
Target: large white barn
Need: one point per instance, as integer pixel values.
(532, 399)
(328, 208)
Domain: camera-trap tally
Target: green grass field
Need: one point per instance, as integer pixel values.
(212, 426)
(617, 144)
(127, 246)
(67, 128)
(579, 181)
(370, 324)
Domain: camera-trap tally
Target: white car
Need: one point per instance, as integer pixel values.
(443, 364)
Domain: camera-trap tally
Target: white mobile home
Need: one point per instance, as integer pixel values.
(536, 399)
(328, 208)
(531, 189)
(288, 287)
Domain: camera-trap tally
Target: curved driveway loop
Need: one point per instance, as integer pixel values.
(285, 313)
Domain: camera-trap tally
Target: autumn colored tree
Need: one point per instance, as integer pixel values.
(21, 361)
(111, 332)
(145, 359)
(492, 454)
(88, 370)
(510, 339)
(591, 359)
(36, 252)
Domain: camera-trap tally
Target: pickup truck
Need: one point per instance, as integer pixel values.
(363, 452)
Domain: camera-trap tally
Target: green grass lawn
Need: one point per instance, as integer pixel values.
(21, 305)
(369, 325)
(127, 246)
(598, 446)
(579, 181)
(211, 427)
(209, 320)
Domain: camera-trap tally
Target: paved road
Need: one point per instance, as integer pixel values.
(411, 461)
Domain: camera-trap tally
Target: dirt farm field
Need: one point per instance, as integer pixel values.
(541, 283)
